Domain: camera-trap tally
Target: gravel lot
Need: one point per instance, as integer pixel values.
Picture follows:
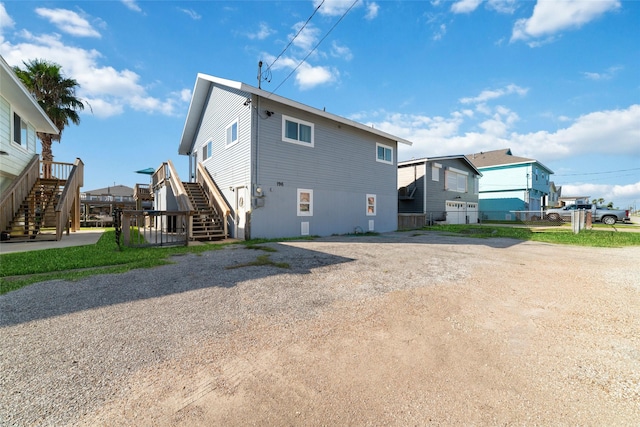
(397, 329)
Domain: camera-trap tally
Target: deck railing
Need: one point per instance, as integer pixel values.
(69, 203)
(154, 228)
(17, 192)
(216, 199)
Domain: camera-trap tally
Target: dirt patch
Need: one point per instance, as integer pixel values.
(403, 330)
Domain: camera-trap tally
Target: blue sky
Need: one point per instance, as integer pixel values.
(557, 81)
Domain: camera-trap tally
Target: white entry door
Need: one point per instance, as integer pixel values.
(241, 210)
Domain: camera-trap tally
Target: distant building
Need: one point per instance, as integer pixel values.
(99, 204)
(510, 184)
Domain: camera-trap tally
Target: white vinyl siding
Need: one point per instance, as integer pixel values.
(297, 131)
(384, 154)
(5, 121)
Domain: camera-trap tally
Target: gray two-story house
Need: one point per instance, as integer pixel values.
(287, 169)
(438, 189)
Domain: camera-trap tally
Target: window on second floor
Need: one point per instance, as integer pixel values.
(455, 180)
(19, 130)
(384, 154)
(231, 134)
(297, 131)
(206, 150)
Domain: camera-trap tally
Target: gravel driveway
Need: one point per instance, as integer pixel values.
(397, 329)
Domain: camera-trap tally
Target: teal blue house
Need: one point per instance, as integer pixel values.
(510, 184)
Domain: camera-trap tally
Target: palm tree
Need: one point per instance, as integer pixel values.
(56, 96)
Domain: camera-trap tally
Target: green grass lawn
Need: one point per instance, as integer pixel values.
(598, 237)
(72, 263)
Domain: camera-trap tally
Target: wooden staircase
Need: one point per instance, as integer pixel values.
(37, 211)
(207, 224)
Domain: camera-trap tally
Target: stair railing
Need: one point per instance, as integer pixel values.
(18, 192)
(216, 199)
(70, 201)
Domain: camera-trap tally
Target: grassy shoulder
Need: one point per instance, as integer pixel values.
(73, 263)
(598, 237)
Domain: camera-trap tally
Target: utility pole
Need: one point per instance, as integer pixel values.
(259, 74)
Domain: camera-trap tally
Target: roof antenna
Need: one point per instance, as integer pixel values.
(259, 74)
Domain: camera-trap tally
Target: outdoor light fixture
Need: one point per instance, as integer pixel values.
(247, 102)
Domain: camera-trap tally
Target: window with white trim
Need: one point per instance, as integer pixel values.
(231, 134)
(455, 180)
(435, 171)
(297, 131)
(384, 154)
(476, 185)
(206, 150)
(19, 130)
(305, 202)
(371, 205)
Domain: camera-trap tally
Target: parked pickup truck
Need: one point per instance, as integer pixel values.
(602, 214)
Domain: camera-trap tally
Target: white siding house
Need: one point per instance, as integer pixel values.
(20, 118)
(287, 169)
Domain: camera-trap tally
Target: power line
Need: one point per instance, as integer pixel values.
(596, 173)
(268, 70)
(315, 47)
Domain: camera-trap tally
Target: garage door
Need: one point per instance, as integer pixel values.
(472, 212)
(456, 212)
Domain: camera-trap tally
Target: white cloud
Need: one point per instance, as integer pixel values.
(132, 4)
(607, 75)
(502, 6)
(68, 21)
(333, 7)
(308, 77)
(342, 52)
(551, 17)
(610, 193)
(442, 30)
(307, 38)
(468, 131)
(191, 13)
(465, 6)
(108, 90)
(372, 11)
(263, 32)
(487, 95)
(5, 19)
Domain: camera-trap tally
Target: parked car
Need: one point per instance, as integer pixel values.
(599, 213)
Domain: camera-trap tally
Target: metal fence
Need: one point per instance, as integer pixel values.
(151, 228)
(530, 218)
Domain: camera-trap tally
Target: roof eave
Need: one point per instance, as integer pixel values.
(201, 91)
